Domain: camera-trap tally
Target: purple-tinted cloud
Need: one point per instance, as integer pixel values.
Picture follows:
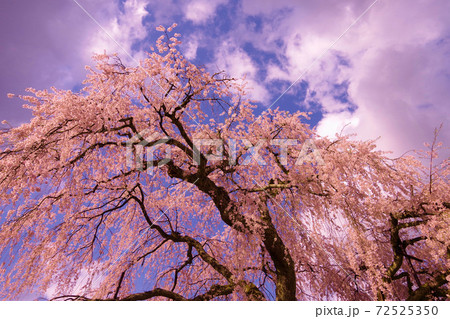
(39, 38)
(48, 43)
(394, 61)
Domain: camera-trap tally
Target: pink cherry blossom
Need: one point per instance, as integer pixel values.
(75, 213)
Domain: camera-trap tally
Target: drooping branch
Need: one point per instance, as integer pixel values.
(176, 237)
(188, 261)
(433, 285)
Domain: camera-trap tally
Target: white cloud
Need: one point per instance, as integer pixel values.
(125, 28)
(190, 48)
(236, 63)
(400, 74)
(199, 11)
(398, 68)
(337, 123)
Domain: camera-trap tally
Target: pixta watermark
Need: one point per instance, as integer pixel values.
(146, 151)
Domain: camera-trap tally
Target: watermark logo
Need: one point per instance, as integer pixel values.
(142, 149)
(148, 150)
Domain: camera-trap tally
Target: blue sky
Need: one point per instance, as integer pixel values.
(388, 75)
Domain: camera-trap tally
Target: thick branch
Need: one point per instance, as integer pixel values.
(282, 259)
(157, 292)
(425, 291)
